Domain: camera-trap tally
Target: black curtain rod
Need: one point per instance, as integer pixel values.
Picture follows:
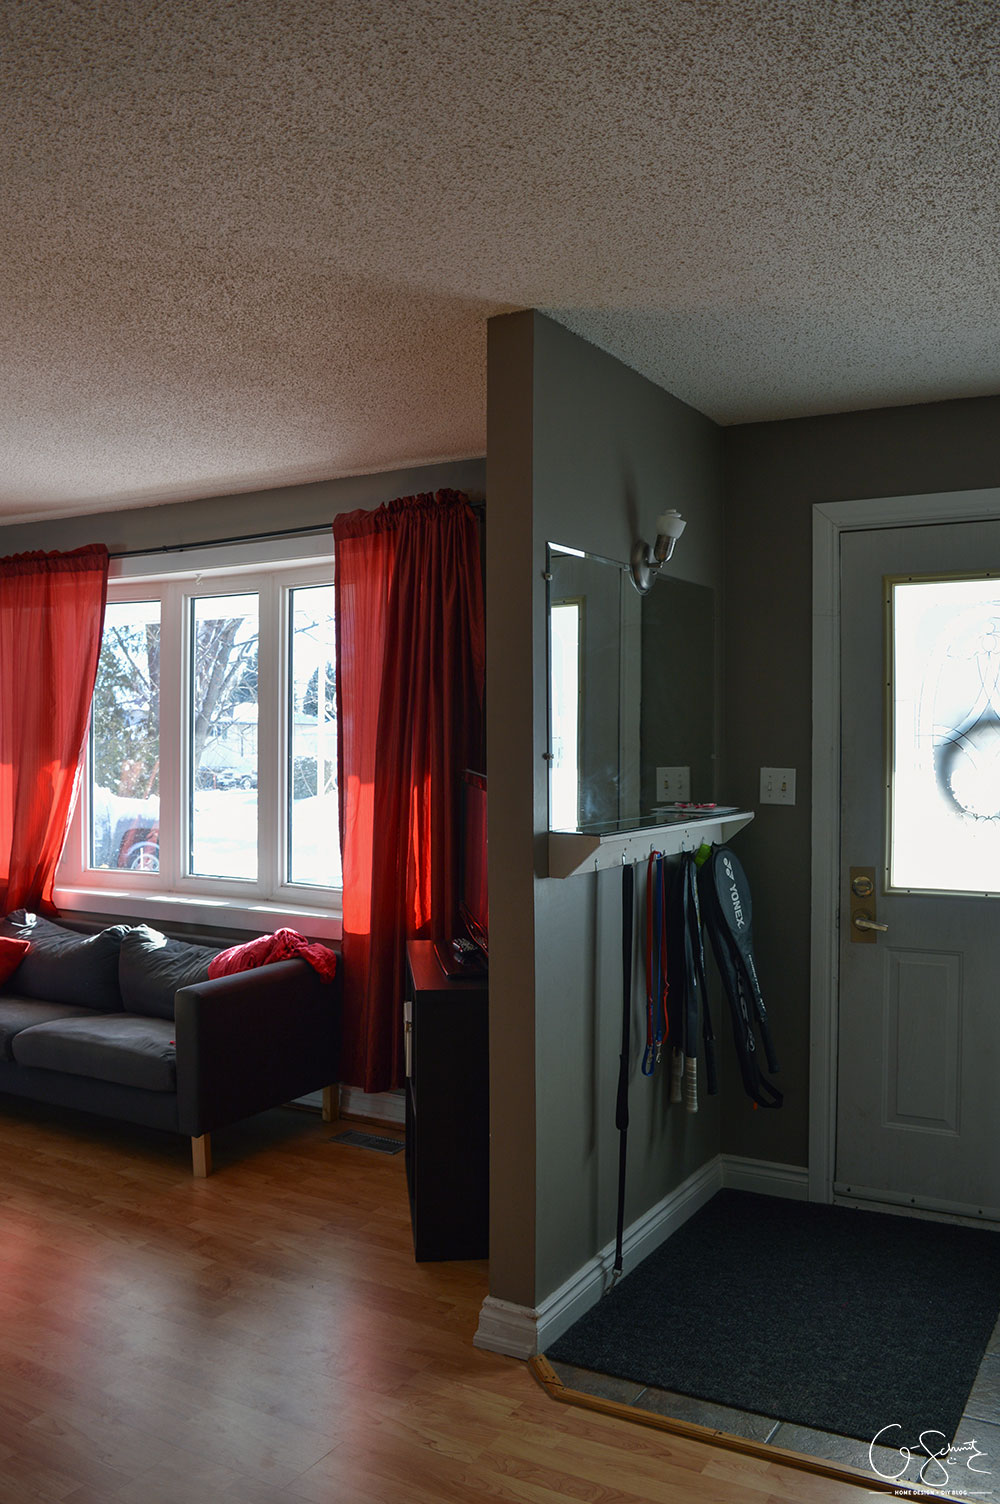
(183, 548)
(286, 532)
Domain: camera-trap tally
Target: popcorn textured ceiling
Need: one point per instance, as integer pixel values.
(250, 244)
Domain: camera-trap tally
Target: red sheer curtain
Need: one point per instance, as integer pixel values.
(51, 619)
(410, 661)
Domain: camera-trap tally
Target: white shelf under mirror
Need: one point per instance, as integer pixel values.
(573, 851)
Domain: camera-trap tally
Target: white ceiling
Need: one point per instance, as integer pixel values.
(246, 244)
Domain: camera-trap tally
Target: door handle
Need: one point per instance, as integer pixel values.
(863, 927)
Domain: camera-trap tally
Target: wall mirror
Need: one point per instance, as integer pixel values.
(632, 689)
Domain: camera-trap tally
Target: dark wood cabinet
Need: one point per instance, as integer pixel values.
(447, 1108)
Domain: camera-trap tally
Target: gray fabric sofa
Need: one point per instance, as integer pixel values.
(126, 1023)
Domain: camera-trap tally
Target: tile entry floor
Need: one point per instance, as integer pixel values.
(971, 1471)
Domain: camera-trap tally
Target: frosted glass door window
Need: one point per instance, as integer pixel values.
(944, 734)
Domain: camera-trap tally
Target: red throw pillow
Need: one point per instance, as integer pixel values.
(12, 953)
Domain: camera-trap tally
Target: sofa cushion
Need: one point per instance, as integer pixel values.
(12, 953)
(152, 968)
(121, 1047)
(17, 1013)
(64, 966)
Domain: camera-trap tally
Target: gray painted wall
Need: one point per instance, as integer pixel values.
(253, 512)
(510, 796)
(775, 472)
(587, 452)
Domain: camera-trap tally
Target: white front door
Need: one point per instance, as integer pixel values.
(918, 1067)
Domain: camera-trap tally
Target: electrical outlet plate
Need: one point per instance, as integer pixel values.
(673, 785)
(777, 785)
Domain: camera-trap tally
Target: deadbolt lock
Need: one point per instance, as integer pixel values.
(862, 886)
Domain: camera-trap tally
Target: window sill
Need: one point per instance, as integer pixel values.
(221, 913)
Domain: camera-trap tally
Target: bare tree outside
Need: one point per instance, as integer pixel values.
(225, 639)
(223, 670)
(220, 747)
(126, 742)
(314, 842)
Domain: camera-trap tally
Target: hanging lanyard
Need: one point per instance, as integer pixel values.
(698, 946)
(621, 1103)
(657, 985)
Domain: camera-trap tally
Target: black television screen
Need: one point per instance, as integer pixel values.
(473, 901)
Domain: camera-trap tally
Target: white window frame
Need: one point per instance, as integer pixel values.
(271, 568)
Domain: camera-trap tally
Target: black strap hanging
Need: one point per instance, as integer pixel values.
(698, 948)
(679, 981)
(621, 1107)
(689, 1009)
(657, 985)
(693, 991)
(697, 989)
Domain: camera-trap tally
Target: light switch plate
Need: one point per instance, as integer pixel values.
(673, 785)
(777, 785)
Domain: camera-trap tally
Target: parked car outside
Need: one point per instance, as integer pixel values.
(226, 778)
(125, 832)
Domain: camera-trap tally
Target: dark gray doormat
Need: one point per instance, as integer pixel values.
(355, 1140)
(846, 1321)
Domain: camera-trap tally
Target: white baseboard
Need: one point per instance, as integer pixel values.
(765, 1177)
(521, 1331)
(381, 1106)
(507, 1328)
(384, 1106)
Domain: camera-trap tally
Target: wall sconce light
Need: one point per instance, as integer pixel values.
(646, 561)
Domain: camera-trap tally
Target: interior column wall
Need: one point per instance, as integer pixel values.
(510, 796)
(608, 451)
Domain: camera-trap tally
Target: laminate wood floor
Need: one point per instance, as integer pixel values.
(265, 1335)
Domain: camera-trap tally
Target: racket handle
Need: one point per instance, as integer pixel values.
(691, 1083)
(676, 1076)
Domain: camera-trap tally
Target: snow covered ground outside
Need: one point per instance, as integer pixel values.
(224, 832)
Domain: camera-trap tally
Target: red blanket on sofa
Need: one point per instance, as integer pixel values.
(283, 945)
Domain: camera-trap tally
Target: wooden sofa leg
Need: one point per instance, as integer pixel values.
(331, 1103)
(201, 1156)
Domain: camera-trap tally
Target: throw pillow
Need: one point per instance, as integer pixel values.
(67, 966)
(12, 953)
(152, 968)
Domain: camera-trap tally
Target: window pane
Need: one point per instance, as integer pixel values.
(564, 694)
(223, 747)
(945, 743)
(125, 741)
(313, 815)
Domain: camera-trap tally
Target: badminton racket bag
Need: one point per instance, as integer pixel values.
(728, 917)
